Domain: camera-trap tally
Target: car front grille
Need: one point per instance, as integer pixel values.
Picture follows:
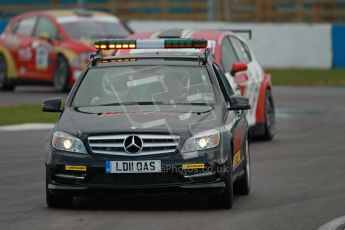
(151, 144)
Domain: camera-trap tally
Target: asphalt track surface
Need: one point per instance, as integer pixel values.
(297, 180)
(29, 95)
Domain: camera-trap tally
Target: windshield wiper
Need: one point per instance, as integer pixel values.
(211, 106)
(205, 111)
(184, 103)
(149, 103)
(129, 103)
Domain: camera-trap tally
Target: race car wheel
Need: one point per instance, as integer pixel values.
(56, 201)
(242, 186)
(269, 124)
(61, 74)
(5, 84)
(225, 199)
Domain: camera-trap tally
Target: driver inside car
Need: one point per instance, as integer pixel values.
(176, 86)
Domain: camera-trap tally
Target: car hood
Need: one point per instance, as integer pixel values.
(129, 119)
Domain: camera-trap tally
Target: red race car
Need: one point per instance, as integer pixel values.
(52, 46)
(239, 64)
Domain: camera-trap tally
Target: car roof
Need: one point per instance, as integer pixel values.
(182, 33)
(207, 34)
(154, 59)
(71, 13)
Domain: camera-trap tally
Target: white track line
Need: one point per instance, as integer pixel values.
(334, 224)
(27, 127)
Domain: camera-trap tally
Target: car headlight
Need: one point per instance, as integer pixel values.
(66, 142)
(81, 60)
(205, 140)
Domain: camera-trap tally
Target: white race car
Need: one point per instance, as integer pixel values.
(239, 64)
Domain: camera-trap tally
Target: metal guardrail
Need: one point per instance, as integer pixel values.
(226, 10)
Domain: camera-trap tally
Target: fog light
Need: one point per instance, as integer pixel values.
(67, 144)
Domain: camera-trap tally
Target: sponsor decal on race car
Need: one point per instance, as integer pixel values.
(193, 166)
(25, 54)
(42, 56)
(75, 168)
(236, 158)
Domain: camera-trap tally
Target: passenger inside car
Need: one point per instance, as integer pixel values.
(176, 86)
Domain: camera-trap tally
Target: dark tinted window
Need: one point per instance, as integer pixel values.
(26, 26)
(241, 50)
(228, 55)
(94, 29)
(44, 25)
(14, 26)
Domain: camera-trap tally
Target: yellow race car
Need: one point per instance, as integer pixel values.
(52, 46)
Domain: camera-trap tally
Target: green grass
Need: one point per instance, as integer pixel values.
(308, 77)
(19, 114)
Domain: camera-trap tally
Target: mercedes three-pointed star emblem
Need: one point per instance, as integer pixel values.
(133, 144)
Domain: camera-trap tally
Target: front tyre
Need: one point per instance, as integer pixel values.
(225, 199)
(270, 122)
(61, 74)
(57, 201)
(5, 83)
(242, 186)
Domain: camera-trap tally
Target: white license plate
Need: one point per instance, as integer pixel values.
(133, 166)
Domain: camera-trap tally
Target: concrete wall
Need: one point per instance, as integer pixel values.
(275, 45)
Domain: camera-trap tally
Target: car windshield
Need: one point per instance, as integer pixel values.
(145, 85)
(92, 29)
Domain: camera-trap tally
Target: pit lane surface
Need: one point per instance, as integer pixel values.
(297, 180)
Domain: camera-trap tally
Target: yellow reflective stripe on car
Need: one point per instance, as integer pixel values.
(10, 63)
(67, 53)
(236, 158)
(73, 13)
(193, 166)
(75, 167)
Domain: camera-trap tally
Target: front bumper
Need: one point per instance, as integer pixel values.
(209, 188)
(92, 176)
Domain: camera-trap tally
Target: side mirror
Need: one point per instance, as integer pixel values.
(238, 67)
(52, 105)
(45, 36)
(238, 103)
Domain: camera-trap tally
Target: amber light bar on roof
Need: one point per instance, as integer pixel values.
(151, 44)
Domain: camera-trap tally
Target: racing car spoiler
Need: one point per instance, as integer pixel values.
(150, 44)
(249, 32)
(239, 31)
